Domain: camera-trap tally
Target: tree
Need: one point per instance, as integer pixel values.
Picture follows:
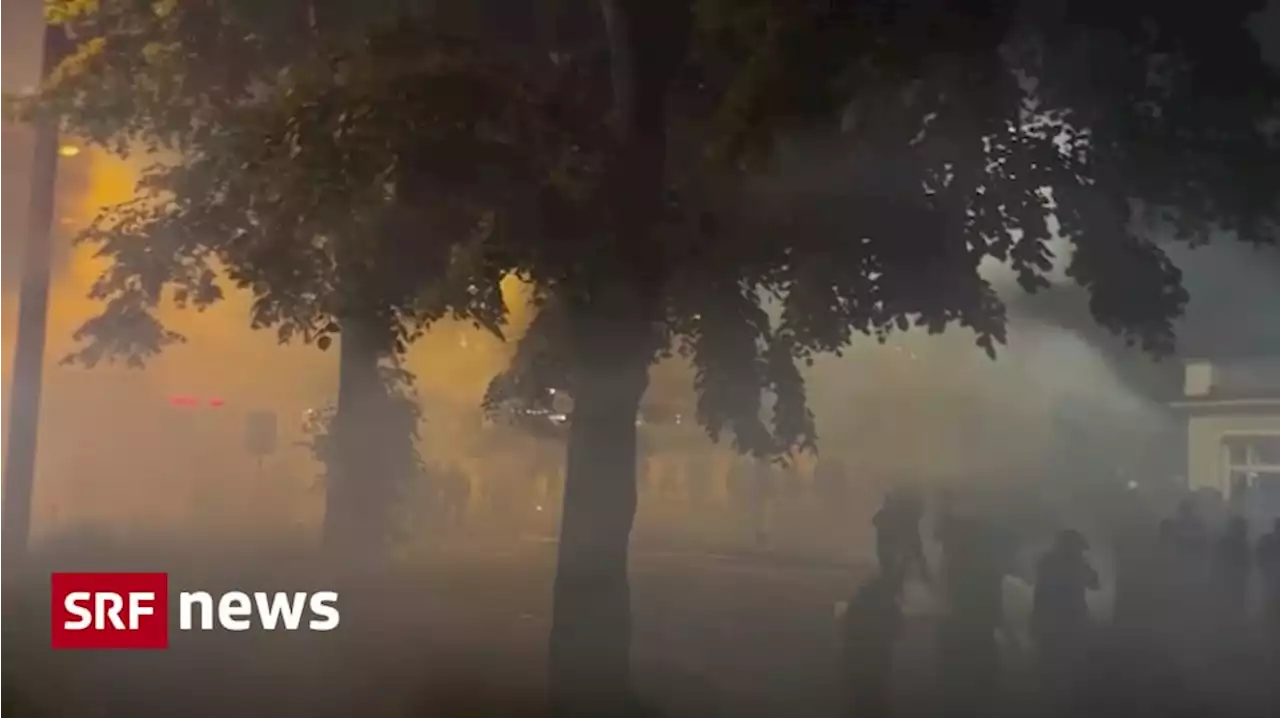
(400, 419)
(262, 182)
(964, 130)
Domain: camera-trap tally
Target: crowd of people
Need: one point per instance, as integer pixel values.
(1182, 637)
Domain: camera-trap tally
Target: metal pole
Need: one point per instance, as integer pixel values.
(33, 311)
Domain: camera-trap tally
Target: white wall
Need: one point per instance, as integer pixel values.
(1204, 444)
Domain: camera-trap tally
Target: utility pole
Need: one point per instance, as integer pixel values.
(33, 312)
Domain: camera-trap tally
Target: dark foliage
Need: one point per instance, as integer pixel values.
(443, 158)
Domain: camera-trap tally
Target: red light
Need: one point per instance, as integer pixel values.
(216, 402)
(183, 400)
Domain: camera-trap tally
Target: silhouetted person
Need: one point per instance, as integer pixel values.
(1064, 577)
(1190, 618)
(898, 544)
(1232, 657)
(1195, 548)
(969, 661)
(872, 623)
(1187, 531)
(1268, 557)
(1135, 592)
(1060, 615)
(1137, 669)
(1232, 565)
(1180, 562)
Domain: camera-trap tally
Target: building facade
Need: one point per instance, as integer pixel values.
(1232, 409)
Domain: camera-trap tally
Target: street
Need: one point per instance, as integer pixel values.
(713, 635)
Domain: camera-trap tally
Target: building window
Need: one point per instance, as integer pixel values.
(1253, 473)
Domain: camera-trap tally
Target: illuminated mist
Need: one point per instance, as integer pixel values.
(115, 453)
(113, 449)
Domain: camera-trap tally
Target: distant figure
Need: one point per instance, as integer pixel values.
(968, 655)
(1187, 531)
(1211, 506)
(1188, 583)
(1174, 612)
(1140, 614)
(1268, 557)
(944, 529)
(871, 625)
(1060, 613)
(898, 544)
(1135, 594)
(1063, 580)
(453, 495)
(1232, 565)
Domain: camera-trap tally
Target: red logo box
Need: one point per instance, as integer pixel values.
(110, 610)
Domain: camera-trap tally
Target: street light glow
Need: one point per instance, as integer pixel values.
(68, 150)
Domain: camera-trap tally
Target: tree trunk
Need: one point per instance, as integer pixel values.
(612, 313)
(591, 622)
(357, 497)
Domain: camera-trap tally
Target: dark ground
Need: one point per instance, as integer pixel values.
(713, 636)
(462, 633)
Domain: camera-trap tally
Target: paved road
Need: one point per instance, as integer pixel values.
(713, 635)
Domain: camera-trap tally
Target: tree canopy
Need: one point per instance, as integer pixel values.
(270, 172)
(949, 137)
(959, 133)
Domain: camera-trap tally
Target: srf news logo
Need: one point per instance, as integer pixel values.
(131, 610)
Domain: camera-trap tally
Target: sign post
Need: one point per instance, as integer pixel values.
(33, 310)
